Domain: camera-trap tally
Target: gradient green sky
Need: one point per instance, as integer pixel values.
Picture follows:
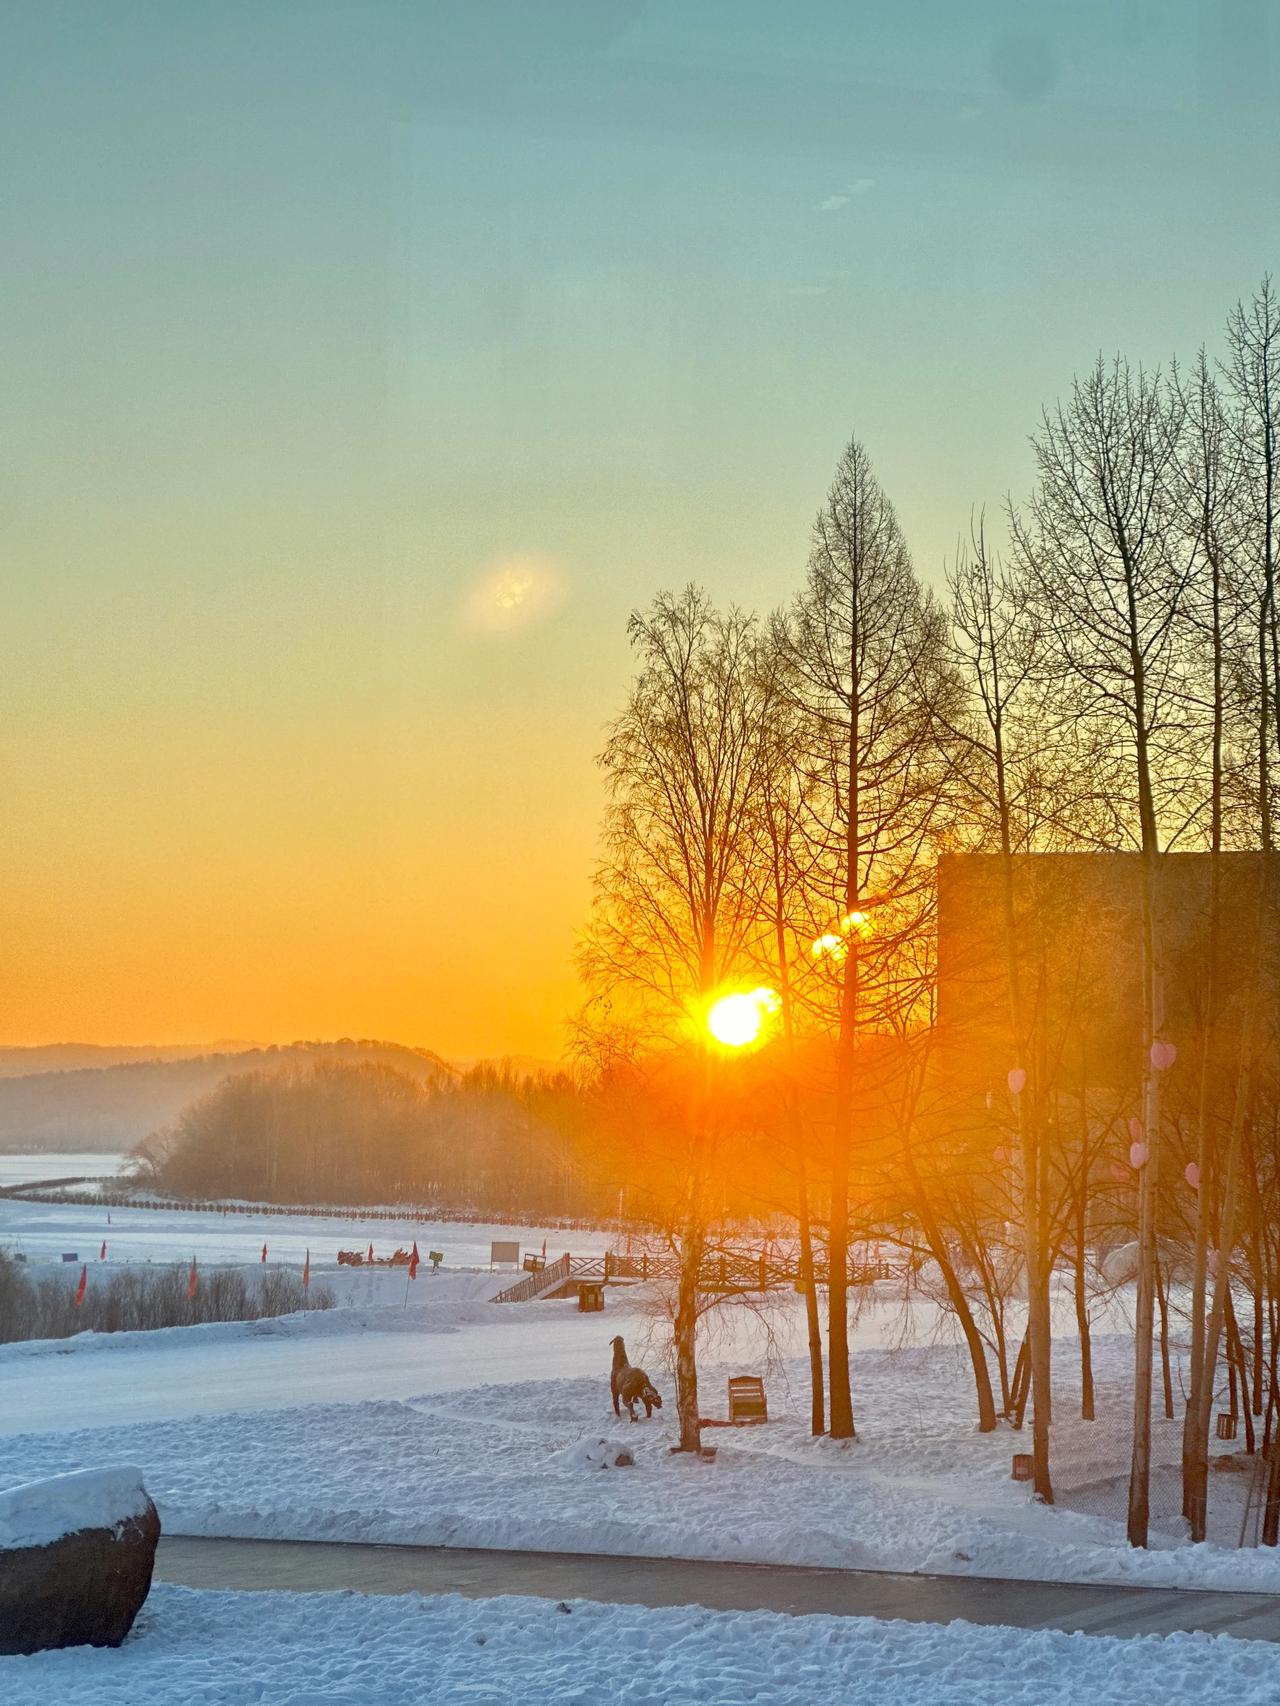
(318, 317)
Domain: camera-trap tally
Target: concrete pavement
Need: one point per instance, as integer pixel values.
(1093, 1609)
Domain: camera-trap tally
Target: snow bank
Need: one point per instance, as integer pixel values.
(41, 1512)
(301, 1649)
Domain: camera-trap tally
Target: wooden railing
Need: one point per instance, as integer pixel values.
(533, 1285)
(727, 1271)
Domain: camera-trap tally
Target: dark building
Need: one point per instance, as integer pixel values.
(1078, 933)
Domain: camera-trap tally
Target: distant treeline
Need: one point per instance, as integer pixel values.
(339, 1132)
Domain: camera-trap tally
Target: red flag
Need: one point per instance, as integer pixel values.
(369, 1257)
(78, 1299)
(413, 1263)
(415, 1258)
(192, 1280)
(264, 1252)
(102, 1254)
(306, 1271)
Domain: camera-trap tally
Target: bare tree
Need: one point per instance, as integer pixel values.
(1209, 488)
(1252, 373)
(995, 649)
(781, 916)
(1103, 551)
(865, 645)
(675, 889)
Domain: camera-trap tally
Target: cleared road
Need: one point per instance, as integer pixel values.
(325, 1567)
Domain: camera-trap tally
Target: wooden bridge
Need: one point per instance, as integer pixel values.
(722, 1270)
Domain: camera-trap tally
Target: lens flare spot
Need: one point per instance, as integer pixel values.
(511, 594)
(830, 944)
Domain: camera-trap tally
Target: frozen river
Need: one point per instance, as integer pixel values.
(59, 1164)
(46, 1231)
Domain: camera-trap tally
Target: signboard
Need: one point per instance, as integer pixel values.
(502, 1254)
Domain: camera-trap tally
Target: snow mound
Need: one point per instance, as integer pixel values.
(40, 1512)
(588, 1453)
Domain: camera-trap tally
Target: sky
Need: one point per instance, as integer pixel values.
(364, 364)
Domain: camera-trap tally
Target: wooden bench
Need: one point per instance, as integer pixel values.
(747, 1400)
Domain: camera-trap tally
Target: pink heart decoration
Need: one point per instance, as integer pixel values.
(1138, 1153)
(1191, 1173)
(1163, 1055)
(1135, 1128)
(1017, 1081)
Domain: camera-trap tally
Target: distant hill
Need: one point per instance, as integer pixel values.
(112, 1107)
(73, 1057)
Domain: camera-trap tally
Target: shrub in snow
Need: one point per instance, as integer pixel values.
(130, 1299)
(76, 1555)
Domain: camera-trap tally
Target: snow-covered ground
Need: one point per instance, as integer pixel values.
(421, 1411)
(225, 1649)
(449, 1336)
(476, 1446)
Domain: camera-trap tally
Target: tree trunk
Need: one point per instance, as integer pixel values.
(1028, 1111)
(838, 1238)
(1021, 1383)
(1166, 1377)
(1081, 1292)
(1194, 1451)
(817, 1398)
(1197, 1459)
(1235, 1353)
(1271, 1511)
(987, 1418)
(1144, 1324)
(693, 1240)
(686, 1330)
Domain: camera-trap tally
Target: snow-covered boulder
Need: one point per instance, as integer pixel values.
(588, 1453)
(76, 1554)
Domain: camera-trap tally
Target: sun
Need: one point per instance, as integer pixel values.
(736, 1021)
